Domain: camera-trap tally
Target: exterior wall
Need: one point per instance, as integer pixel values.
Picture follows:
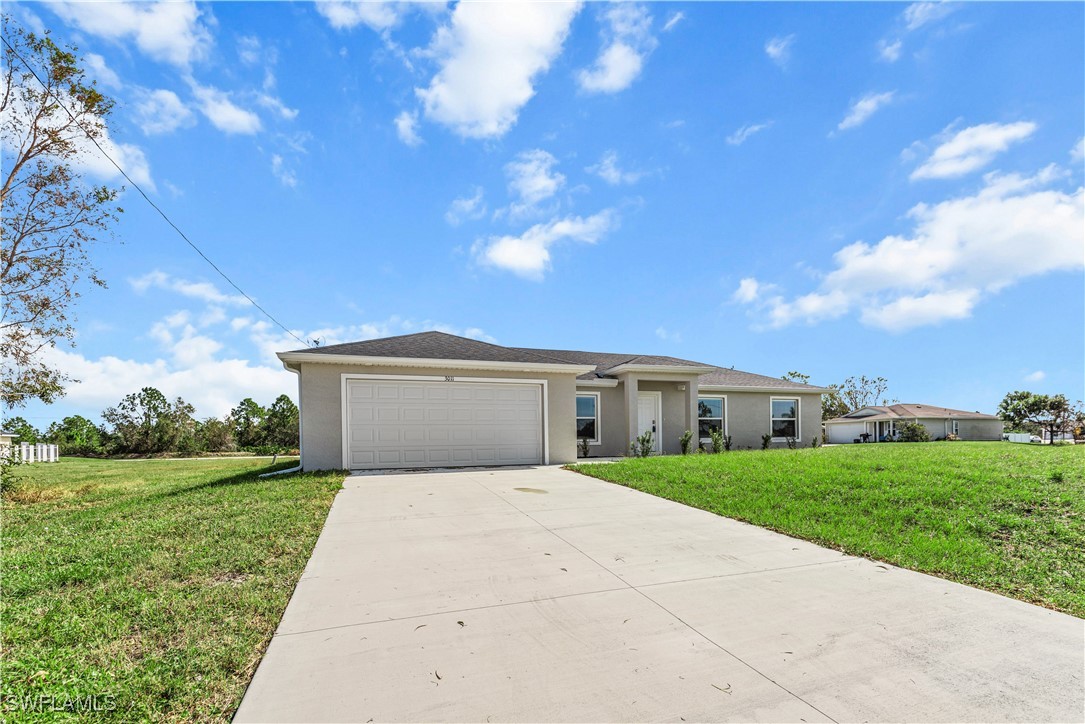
(749, 416)
(844, 432)
(981, 429)
(322, 408)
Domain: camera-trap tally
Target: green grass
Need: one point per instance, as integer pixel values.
(155, 583)
(1004, 517)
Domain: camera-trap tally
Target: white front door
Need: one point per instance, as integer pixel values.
(649, 408)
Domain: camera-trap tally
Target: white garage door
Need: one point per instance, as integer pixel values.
(408, 424)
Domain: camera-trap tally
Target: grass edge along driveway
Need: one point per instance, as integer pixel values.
(149, 588)
(1004, 517)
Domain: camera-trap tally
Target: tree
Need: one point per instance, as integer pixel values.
(862, 391)
(215, 435)
(50, 215)
(247, 420)
(23, 430)
(1052, 413)
(281, 423)
(146, 422)
(832, 405)
(76, 435)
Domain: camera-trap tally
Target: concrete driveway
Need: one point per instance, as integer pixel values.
(543, 595)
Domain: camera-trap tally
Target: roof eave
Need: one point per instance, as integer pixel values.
(758, 388)
(659, 369)
(459, 364)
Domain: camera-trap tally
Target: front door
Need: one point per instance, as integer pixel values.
(649, 405)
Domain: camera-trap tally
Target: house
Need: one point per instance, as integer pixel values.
(436, 400)
(876, 423)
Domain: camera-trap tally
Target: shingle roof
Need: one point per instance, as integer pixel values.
(443, 346)
(433, 345)
(911, 411)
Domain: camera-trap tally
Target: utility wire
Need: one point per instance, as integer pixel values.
(148, 198)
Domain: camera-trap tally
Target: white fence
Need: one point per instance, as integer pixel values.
(1018, 437)
(34, 452)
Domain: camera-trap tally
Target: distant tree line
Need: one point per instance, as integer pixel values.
(147, 422)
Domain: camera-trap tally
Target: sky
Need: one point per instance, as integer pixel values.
(838, 189)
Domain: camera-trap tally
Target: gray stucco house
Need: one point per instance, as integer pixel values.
(875, 423)
(437, 400)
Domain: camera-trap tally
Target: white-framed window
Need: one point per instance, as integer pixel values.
(955, 427)
(711, 415)
(785, 418)
(587, 417)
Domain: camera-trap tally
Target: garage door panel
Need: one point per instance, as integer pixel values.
(400, 423)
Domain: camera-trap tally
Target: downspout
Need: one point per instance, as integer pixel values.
(297, 468)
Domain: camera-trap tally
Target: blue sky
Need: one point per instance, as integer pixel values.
(841, 189)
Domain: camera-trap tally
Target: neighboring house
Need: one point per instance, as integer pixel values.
(436, 400)
(6, 441)
(880, 422)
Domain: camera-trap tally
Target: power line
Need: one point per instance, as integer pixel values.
(148, 198)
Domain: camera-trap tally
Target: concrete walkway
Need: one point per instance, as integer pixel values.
(543, 595)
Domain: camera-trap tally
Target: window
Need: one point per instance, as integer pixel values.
(956, 427)
(785, 418)
(711, 415)
(587, 416)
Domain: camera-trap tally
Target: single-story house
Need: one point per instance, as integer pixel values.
(877, 423)
(437, 400)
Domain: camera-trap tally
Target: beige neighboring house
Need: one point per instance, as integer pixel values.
(879, 422)
(6, 439)
(437, 400)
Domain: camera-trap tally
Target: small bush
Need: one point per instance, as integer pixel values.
(816, 442)
(792, 443)
(686, 441)
(717, 440)
(952, 438)
(766, 440)
(641, 447)
(583, 446)
(727, 443)
(912, 432)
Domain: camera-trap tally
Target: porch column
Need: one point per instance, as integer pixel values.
(692, 417)
(631, 421)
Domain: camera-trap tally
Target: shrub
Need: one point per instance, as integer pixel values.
(912, 432)
(727, 443)
(717, 440)
(816, 442)
(792, 443)
(766, 440)
(641, 447)
(952, 438)
(686, 441)
(583, 446)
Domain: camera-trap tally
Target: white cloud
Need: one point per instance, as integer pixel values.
(407, 128)
(532, 180)
(528, 255)
(673, 20)
(739, 136)
(203, 291)
(972, 149)
(161, 111)
(249, 49)
(1077, 153)
(349, 14)
(466, 208)
(608, 170)
(100, 71)
(1037, 376)
(170, 32)
(286, 176)
(919, 14)
(890, 51)
(489, 56)
(223, 113)
(276, 105)
(779, 49)
(668, 335)
(958, 252)
(627, 42)
(864, 108)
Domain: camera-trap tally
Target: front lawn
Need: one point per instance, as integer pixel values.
(149, 586)
(1005, 517)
